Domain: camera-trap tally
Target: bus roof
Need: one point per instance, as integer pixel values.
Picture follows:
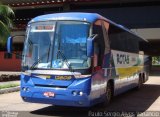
(89, 17)
(79, 16)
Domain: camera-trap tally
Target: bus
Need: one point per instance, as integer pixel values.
(79, 59)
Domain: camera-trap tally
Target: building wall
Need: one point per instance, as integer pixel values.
(9, 63)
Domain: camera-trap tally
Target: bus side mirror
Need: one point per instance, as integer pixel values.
(11, 41)
(90, 45)
(9, 44)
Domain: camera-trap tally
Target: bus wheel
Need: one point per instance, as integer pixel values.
(140, 82)
(108, 95)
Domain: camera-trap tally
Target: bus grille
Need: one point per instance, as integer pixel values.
(51, 86)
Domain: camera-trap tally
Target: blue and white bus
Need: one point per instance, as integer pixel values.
(79, 59)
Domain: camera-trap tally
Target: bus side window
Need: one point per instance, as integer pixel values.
(105, 27)
(122, 40)
(117, 38)
(98, 45)
(96, 53)
(107, 52)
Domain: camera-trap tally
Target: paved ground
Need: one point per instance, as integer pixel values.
(146, 99)
(9, 73)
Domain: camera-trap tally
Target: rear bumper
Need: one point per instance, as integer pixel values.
(63, 97)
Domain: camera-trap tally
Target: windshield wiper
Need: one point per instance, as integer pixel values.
(65, 60)
(63, 56)
(36, 62)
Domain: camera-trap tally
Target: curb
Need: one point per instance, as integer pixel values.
(9, 90)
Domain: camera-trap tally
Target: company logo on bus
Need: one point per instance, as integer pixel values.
(122, 59)
(63, 77)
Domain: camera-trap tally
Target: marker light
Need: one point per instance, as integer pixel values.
(74, 93)
(80, 93)
(23, 88)
(27, 89)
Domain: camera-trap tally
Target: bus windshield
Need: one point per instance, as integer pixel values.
(56, 44)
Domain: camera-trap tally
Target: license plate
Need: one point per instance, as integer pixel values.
(48, 94)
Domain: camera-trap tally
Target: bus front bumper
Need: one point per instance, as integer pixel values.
(62, 97)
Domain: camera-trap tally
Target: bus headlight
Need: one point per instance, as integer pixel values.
(27, 89)
(80, 93)
(74, 93)
(24, 88)
(77, 93)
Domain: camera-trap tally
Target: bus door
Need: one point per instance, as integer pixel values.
(98, 46)
(101, 47)
(100, 50)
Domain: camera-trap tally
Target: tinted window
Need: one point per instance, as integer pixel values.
(99, 43)
(122, 40)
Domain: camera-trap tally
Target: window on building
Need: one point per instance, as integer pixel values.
(7, 55)
(18, 55)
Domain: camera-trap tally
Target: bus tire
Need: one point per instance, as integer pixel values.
(144, 77)
(140, 82)
(108, 94)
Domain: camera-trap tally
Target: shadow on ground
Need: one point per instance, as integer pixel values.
(155, 71)
(130, 101)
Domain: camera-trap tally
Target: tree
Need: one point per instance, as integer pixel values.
(6, 23)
